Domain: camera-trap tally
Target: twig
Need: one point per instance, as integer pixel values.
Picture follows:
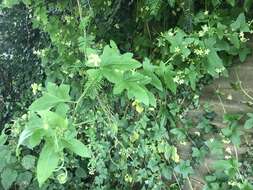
(179, 186)
(241, 87)
(237, 159)
(222, 105)
(190, 184)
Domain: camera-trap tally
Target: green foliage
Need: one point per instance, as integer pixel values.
(122, 114)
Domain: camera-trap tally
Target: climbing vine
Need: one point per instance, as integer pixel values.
(121, 78)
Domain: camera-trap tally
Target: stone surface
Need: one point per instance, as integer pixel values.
(224, 95)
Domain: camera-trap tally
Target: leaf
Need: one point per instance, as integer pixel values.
(34, 124)
(52, 120)
(184, 168)
(222, 165)
(215, 146)
(192, 74)
(235, 40)
(24, 179)
(47, 163)
(54, 95)
(155, 81)
(240, 24)
(8, 178)
(3, 138)
(112, 59)
(27, 133)
(77, 147)
(247, 5)
(231, 2)
(214, 63)
(28, 162)
(168, 79)
(62, 109)
(172, 3)
(44, 103)
(243, 53)
(248, 124)
(180, 134)
(10, 3)
(134, 83)
(140, 93)
(5, 153)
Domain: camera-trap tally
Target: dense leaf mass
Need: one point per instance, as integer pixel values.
(95, 94)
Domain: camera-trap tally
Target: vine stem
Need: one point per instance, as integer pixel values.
(237, 159)
(81, 18)
(79, 9)
(177, 181)
(241, 87)
(189, 181)
(82, 96)
(221, 102)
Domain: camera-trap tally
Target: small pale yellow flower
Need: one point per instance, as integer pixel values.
(177, 49)
(201, 33)
(205, 28)
(45, 126)
(36, 88)
(228, 150)
(197, 133)
(170, 33)
(207, 51)
(94, 59)
(226, 141)
(138, 106)
(229, 97)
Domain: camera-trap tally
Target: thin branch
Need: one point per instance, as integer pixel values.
(179, 186)
(241, 87)
(190, 184)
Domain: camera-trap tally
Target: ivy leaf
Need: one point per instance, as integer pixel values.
(77, 147)
(54, 95)
(215, 146)
(192, 74)
(184, 168)
(249, 123)
(243, 53)
(179, 132)
(214, 63)
(47, 163)
(240, 24)
(222, 165)
(24, 179)
(235, 40)
(8, 178)
(28, 162)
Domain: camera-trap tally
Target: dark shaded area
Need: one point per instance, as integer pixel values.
(19, 66)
